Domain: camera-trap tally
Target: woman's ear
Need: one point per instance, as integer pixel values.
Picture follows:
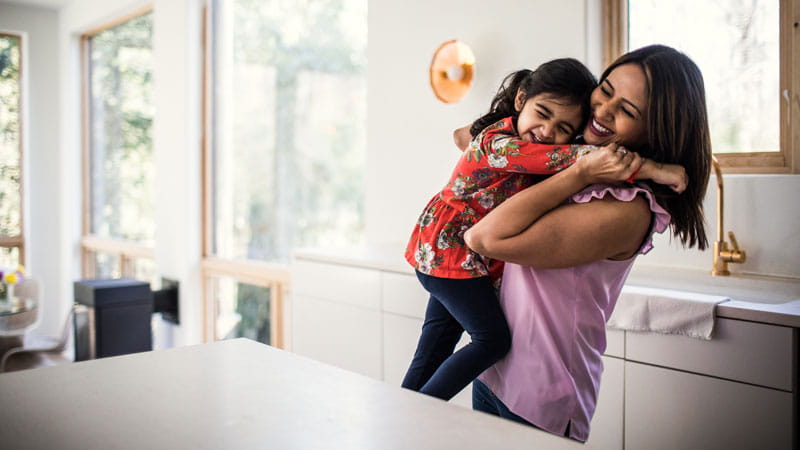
(519, 100)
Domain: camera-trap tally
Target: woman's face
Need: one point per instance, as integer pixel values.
(619, 108)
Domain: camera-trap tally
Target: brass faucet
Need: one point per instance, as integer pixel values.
(723, 255)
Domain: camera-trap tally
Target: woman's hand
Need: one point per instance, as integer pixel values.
(609, 164)
(462, 137)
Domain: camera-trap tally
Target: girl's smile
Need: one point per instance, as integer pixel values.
(546, 119)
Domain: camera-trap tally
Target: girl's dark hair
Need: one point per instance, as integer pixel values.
(677, 133)
(566, 78)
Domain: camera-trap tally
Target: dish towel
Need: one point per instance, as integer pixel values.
(665, 311)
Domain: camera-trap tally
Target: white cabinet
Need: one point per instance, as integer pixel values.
(671, 409)
(607, 422)
(400, 336)
(749, 352)
(360, 319)
(336, 316)
(339, 334)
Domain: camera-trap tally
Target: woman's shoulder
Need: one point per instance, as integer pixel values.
(636, 199)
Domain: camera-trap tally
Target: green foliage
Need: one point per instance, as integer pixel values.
(122, 118)
(253, 306)
(298, 171)
(10, 136)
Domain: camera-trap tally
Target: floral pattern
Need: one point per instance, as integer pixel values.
(496, 165)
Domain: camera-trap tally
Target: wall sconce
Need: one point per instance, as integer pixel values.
(452, 71)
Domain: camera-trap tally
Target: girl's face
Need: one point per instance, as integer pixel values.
(545, 119)
(619, 107)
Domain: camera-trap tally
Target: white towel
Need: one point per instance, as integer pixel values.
(665, 311)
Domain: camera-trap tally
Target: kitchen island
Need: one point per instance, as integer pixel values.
(236, 394)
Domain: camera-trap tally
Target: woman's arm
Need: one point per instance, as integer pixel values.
(532, 228)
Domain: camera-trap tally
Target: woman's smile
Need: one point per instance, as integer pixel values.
(598, 129)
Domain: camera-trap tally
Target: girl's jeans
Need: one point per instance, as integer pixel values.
(456, 305)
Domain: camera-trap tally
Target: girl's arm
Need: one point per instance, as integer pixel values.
(671, 175)
(462, 136)
(533, 227)
(498, 148)
(516, 155)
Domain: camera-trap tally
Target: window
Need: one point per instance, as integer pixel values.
(744, 49)
(285, 153)
(119, 223)
(12, 243)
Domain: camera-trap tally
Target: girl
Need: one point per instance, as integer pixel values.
(531, 111)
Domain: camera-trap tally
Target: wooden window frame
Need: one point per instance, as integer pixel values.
(126, 252)
(787, 159)
(18, 241)
(275, 277)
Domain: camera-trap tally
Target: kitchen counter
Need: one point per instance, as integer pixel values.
(236, 394)
(769, 300)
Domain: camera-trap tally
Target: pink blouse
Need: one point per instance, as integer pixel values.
(557, 319)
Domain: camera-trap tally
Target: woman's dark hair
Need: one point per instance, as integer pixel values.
(677, 133)
(566, 78)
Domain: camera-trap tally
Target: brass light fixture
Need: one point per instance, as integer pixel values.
(452, 71)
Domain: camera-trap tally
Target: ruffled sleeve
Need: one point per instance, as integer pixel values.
(626, 193)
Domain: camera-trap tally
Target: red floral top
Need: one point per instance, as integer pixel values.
(497, 165)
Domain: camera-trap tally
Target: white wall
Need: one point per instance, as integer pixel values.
(176, 144)
(763, 211)
(410, 149)
(39, 27)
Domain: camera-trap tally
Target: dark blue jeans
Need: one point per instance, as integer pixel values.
(484, 400)
(456, 305)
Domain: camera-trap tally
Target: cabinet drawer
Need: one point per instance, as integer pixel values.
(352, 285)
(676, 410)
(744, 351)
(404, 295)
(615, 343)
(338, 334)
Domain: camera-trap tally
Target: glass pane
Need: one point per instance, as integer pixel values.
(144, 269)
(9, 136)
(289, 110)
(9, 257)
(106, 265)
(735, 44)
(121, 114)
(244, 311)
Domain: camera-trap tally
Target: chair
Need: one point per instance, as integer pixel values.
(38, 351)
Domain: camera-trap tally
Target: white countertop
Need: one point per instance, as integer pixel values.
(755, 298)
(236, 394)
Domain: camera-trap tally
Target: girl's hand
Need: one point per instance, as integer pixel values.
(462, 137)
(609, 164)
(671, 175)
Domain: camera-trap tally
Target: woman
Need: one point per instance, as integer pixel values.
(565, 272)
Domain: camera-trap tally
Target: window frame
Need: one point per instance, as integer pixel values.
(276, 277)
(126, 252)
(18, 241)
(787, 159)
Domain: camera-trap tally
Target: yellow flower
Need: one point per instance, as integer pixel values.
(10, 278)
(21, 269)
